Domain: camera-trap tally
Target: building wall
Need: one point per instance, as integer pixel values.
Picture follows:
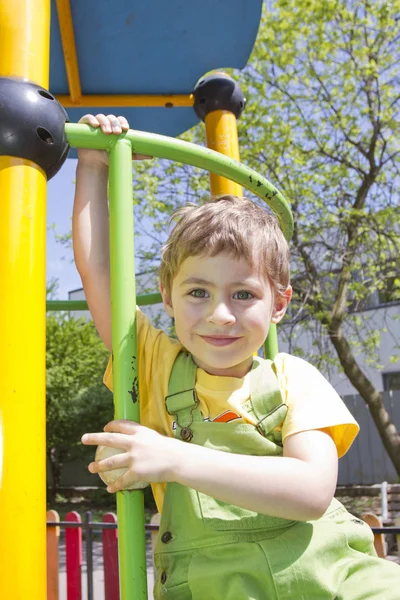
(385, 319)
(367, 461)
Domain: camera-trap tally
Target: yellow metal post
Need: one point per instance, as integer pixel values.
(222, 136)
(24, 52)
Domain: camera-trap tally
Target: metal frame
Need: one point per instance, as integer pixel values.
(161, 146)
(130, 507)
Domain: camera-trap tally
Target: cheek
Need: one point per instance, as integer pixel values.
(191, 310)
(258, 319)
(186, 315)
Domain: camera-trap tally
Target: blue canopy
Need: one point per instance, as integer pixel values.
(152, 47)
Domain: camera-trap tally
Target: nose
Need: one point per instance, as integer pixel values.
(221, 314)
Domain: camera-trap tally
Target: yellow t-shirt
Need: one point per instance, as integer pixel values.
(312, 402)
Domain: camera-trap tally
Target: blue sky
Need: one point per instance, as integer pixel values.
(60, 196)
(59, 257)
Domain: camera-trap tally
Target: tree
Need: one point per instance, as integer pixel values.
(331, 69)
(76, 399)
(323, 101)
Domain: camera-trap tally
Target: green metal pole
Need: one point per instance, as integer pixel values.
(271, 343)
(130, 504)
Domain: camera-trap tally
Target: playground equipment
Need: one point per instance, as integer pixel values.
(33, 146)
(130, 505)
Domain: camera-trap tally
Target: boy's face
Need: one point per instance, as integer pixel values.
(222, 308)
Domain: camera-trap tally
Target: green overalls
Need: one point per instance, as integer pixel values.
(210, 550)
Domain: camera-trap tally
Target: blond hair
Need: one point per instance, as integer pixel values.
(229, 224)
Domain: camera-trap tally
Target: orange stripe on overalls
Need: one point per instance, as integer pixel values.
(226, 417)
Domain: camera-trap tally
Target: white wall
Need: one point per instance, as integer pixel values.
(382, 318)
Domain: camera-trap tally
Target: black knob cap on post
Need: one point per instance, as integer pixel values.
(218, 92)
(32, 124)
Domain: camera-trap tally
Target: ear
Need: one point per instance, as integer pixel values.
(281, 304)
(167, 301)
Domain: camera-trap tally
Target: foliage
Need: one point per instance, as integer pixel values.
(327, 75)
(76, 399)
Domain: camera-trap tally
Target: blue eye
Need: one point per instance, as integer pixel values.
(243, 295)
(198, 293)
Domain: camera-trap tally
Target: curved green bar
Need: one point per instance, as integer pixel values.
(161, 146)
(131, 544)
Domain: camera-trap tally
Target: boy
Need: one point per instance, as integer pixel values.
(242, 454)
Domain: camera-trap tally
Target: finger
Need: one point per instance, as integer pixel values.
(114, 124)
(117, 461)
(113, 440)
(104, 123)
(124, 123)
(122, 426)
(89, 120)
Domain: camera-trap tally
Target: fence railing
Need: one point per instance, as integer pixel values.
(77, 530)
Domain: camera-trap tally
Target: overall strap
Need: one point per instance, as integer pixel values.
(265, 397)
(265, 401)
(182, 401)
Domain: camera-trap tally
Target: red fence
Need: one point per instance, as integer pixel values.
(75, 529)
(110, 557)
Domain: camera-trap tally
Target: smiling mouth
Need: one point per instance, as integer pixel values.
(219, 340)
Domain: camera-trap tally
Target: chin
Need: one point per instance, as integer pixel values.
(224, 365)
